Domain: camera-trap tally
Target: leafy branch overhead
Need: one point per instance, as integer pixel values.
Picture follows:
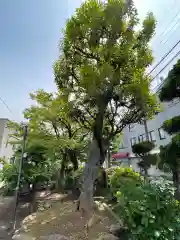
(103, 62)
(171, 88)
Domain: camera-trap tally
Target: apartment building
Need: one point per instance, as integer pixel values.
(135, 133)
(5, 148)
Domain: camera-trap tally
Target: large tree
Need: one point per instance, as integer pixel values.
(170, 154)
(104, 55)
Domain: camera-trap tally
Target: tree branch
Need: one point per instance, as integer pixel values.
(55, 130)
(87, 55)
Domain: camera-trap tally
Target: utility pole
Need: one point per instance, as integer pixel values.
(108, 158)
(146, 129)
(145, 121)
(19, 178)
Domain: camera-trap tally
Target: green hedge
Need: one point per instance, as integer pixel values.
(148, 209)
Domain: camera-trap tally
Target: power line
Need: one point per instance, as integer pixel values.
(170, 31)
(169, 24)
(164, 57)
(166, 65)
(170, 36)
(5, 105)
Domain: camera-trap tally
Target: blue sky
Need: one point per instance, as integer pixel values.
(30, 32)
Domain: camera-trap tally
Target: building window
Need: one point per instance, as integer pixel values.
(142, 137)
(133, 141)
(122, 146)
(152, 136)
(12, 160)
(131, 126)
(173, 102)
(162, 134)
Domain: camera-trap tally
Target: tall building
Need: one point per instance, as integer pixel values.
(5, 148)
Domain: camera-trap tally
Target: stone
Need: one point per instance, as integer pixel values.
(47, 205)
(22, 236)
(108, 237)
(54, 237)
(114, 227)
(118, 230)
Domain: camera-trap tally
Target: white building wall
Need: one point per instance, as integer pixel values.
(169, 110)
(5, 148)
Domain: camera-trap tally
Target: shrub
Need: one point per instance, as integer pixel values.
(9, 175)
(149, 211)
(172, 125)
(143, 150)
(119, 177)
(73, 179)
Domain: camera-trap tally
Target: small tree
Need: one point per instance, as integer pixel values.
(116, 143)
(170, 154)
(143, 150)
(51, 125)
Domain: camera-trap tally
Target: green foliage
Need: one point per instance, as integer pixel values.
(73, 179)
(149, 211)
(143, 148)
(172, 125)
(120, 177)
(170, 154)
(164, 184)
(55, 143)
(102, 66)
(9, 174)
(36, 168)
(171, 88)
(116, 143)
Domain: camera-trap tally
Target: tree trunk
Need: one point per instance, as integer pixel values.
(145, 173)
(33, 198)
(176, 180)
(108, 158)
(89, 177)
(60, 178)
(146, 130)
(73, 158)
(101, 183)
(95, 159)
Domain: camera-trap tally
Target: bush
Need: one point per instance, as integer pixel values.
(143, 147)
(149, 211)
(73, 179)
(164, 184)
(9, 175)
(172, 125)
(119, 177)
